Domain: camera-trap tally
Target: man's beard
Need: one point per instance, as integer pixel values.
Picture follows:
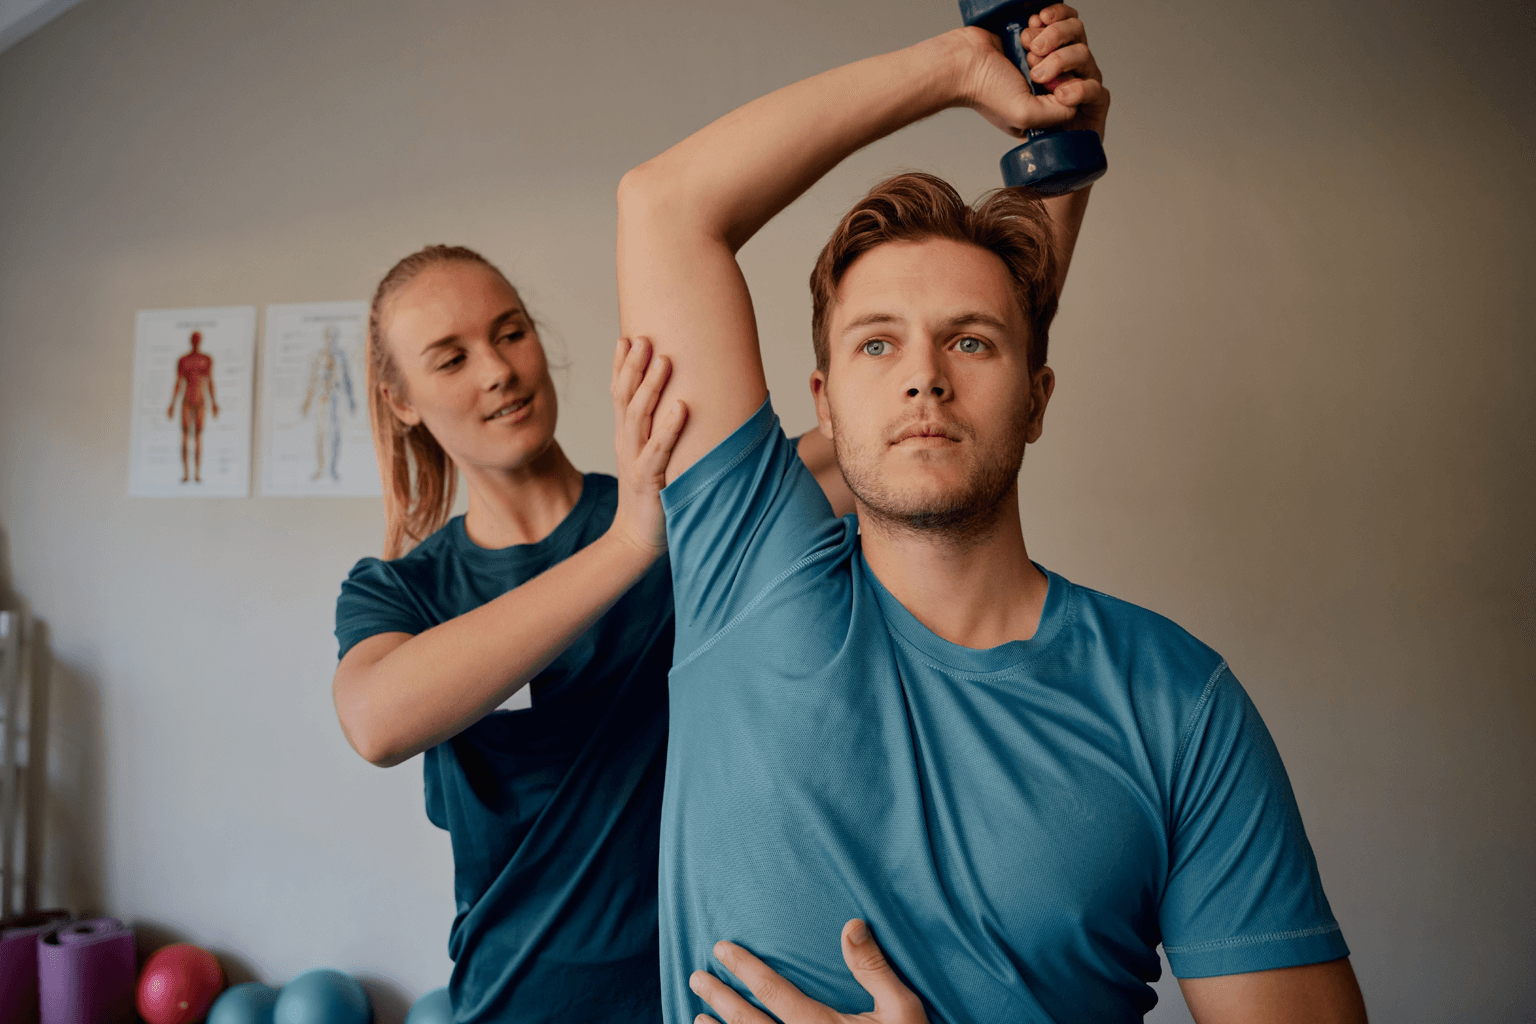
(962, 514)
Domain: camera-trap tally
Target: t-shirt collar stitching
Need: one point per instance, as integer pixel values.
(1031, 656)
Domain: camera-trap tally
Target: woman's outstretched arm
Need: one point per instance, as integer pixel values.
(397, 694)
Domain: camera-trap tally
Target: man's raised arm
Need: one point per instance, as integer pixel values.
(684, 214)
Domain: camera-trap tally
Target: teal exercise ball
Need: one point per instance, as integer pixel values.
(322, 997)
(432, 1008)
(250, 1003)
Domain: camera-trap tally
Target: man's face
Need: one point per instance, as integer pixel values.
(928, 397)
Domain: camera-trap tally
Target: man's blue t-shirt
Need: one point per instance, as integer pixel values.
(554, 810)
(1020, 826)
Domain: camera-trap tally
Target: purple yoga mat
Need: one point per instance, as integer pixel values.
(85, 973)
(18, 964)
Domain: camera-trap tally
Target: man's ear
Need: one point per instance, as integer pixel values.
(823, 408)
(400, 406)
(1041, 385)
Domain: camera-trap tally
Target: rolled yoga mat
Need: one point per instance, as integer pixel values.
(85, 973)
(18, 965)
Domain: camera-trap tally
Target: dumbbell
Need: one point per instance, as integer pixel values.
(1052, 162)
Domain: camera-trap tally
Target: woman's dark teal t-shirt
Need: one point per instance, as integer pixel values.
(554, 811)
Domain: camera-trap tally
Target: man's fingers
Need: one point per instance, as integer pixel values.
(1041, 40)
(1057, 12)
(723, 1000)
(771, 989)
(1074, 58)
(893, 1000)
(1076, 92)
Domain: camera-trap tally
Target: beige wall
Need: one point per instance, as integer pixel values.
(1296, 373)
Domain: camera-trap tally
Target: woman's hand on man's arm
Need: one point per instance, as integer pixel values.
(397, 694)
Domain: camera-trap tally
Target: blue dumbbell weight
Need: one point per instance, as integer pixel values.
(1051, 161)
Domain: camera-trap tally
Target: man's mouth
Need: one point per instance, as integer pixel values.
(509, 408)
(929, 433)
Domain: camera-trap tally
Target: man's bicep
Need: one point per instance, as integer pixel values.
(1243, 893)
(680, 286)
(1325, 993)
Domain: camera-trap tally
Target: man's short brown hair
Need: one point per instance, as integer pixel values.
(912, 207)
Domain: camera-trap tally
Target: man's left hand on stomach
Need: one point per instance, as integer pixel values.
(894, 1002)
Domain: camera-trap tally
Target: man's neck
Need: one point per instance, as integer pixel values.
(978, 590)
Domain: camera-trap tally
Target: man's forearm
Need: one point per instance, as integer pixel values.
(730, 178)
(1066, 213)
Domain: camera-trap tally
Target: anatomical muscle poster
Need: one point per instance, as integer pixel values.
(190, 435)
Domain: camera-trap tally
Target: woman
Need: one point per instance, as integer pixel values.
(553, 579)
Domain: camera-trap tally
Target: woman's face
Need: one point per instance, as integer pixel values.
(473, 368)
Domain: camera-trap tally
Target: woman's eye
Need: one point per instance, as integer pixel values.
(876, 347)
(970, 345)
(514, 336)
(451, 363)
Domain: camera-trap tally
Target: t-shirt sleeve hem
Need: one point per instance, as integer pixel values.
(348, 640)
(1257, 953)
(720, 460)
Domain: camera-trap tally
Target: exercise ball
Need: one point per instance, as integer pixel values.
(250, 1003)
(322, 997)
(432, 1008)
(178, 984)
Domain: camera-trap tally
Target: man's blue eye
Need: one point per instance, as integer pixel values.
(876, 347)
(970, 345)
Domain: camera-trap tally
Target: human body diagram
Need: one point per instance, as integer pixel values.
(329, 382)
(194, 376)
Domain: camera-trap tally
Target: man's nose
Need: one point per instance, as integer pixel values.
(926, 374)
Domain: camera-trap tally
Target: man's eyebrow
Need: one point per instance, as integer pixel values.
(496, 324)
(869, 319)
(976, 319)
(971, 318)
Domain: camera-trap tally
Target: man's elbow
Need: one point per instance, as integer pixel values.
(649, 194)
(636, 188)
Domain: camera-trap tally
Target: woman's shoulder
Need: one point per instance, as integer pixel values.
(438, 547)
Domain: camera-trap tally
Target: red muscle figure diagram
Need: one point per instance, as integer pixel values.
(194, 375)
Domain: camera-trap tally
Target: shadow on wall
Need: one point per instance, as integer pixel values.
(149, 936)
(64, 857)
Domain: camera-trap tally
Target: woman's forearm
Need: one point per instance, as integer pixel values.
(396, 699)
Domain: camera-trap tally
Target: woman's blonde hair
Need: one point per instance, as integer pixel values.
(418, 478)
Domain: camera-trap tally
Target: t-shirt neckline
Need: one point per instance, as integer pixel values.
(999, 660)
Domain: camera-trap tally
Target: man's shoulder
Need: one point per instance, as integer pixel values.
(1149, 647)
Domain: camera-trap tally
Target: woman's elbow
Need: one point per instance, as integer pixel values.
(364, 735)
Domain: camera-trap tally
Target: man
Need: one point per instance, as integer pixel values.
(1023, 785)
(194, 374)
